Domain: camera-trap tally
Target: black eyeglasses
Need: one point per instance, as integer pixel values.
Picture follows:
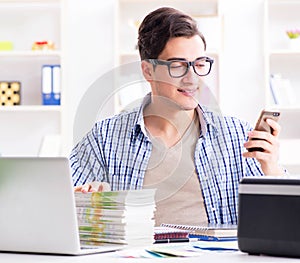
(179, 68)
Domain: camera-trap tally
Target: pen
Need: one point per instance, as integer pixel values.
(212, 238)
(216, 248)
(171, 240)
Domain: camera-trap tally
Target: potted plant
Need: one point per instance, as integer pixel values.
(294, 36)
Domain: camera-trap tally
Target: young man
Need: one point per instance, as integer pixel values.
(192, 155)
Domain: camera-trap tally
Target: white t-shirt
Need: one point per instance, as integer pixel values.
(171, 170)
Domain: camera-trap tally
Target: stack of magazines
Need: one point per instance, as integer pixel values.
(119, 217)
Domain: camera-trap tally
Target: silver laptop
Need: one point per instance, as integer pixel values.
(37, 207)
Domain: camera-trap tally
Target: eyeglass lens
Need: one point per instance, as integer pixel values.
(180, 68)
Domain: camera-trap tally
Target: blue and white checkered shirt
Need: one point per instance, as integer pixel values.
(117, 151)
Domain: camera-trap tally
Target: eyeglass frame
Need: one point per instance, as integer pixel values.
(167, 63)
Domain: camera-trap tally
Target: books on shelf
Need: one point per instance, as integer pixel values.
(208, 232)
(281, 90)
(119, 217)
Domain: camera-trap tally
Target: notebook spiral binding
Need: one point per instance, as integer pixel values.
(186, 227)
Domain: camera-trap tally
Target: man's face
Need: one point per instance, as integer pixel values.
(183, 91)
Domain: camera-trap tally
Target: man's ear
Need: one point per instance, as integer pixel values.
(147, 70)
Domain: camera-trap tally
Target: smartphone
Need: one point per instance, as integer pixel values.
(262, 125)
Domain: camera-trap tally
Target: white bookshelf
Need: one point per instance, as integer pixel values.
(283, 59)
(25, 126)
(130, 13)
(280, 57)
(30, 53)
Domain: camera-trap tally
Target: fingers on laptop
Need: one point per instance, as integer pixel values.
(93, 187)
(103, 187)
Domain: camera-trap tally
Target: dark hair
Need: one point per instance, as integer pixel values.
(161, 25)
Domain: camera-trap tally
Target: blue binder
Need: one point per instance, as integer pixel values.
(51, 85)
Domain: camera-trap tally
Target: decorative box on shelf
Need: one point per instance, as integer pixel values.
(6, 46)
(10, 93)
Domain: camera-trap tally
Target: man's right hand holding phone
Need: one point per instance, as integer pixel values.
(266, 145)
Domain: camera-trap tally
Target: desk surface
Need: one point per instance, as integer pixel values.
(210, 257)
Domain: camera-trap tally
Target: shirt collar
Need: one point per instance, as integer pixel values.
(139, 122)
(207, 120)
(205, 115)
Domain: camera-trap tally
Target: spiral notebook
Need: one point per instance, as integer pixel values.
(211, 231)
(164, 234)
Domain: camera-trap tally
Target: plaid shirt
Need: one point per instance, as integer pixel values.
(117, 151)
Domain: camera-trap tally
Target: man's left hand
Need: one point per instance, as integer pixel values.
(269, 157)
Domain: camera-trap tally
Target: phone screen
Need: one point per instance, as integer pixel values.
(262, 125)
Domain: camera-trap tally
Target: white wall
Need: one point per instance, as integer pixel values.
(90, 30)
(90, 52)
(242, 92)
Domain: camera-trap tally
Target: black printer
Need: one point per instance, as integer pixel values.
(269, 215)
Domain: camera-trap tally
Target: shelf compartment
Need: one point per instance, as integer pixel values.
(282, 16)
(23, 130)
(132, 12)
(24, 22)
(30, 77)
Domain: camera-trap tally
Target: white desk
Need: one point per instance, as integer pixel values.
(206, 257)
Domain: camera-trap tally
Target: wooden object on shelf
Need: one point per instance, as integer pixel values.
(43, 45)
(10, 93)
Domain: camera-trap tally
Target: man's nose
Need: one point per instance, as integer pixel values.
(190, 76)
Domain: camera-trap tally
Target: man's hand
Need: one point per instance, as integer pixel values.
(269, 142)
(93, 187)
